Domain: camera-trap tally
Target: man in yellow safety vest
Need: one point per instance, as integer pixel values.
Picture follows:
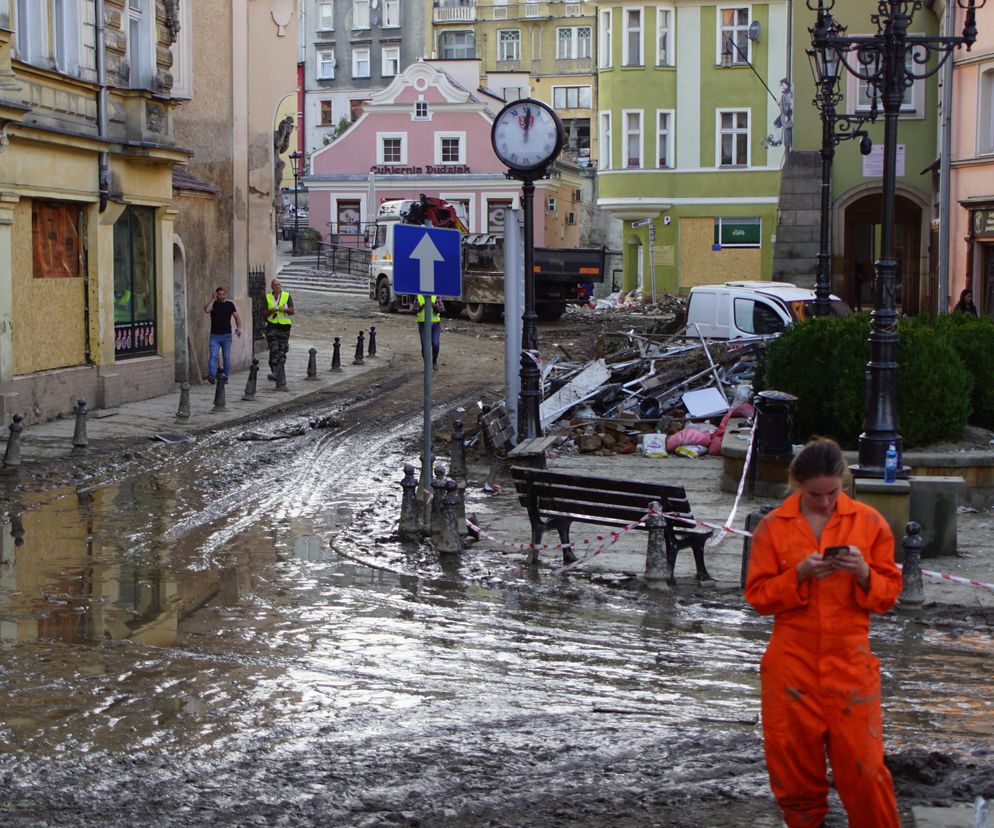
(436, 326)
(279, 309)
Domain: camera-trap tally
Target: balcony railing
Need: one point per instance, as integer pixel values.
(454, 14)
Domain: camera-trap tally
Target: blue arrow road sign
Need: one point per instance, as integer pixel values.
(426, 260)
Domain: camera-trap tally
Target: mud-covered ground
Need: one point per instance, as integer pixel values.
(229, 633)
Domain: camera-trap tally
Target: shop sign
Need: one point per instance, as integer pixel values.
(427, 169)
(983, 222)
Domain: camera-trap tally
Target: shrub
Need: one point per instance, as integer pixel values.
(973, 340)
(823, 362)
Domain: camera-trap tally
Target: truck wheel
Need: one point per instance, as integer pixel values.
(476, 311)
(383, 296)
(550, 312)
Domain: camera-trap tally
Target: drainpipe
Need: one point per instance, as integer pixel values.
(945, 167)
(104, 160)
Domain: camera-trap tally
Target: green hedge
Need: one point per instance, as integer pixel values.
(823, 362)
(973, 340)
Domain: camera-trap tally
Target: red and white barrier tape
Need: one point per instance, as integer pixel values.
(611, 538)
(725, 529)
(957, 580)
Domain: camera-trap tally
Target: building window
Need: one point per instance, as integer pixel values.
(360, 14)
(985, 109)
(633, 139)
(55, 239)
(515, 93)
(356, 107)
(578, 138)
(138, 24)
(391, 61)
(459, 45)
(733, 138)
(604, 47)
(496, 210)
(326, 16)
(573, 43)
(605, 141)
(450, 147)
(509, 44)
(633, 38)
(909, 103)
(326, 115)
(664, 138)
(134, 283)
(349, 218)
(571, 97)
(182, 52)
(326, 65)
(391, 14)
(391, 148)
(737, 232)
(421, 111)
(734, 32)
(30, 27)
(664, 37)
(360, 63)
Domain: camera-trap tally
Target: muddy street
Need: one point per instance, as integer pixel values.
(229, 632)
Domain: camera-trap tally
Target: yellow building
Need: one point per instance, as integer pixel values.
(86, 215)
(543, 50)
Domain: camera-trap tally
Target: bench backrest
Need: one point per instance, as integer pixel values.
(608, 500)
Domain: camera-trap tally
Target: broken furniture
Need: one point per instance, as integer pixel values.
(498, 441)
(555, 499)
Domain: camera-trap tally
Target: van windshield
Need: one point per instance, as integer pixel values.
(381, 235)
(806, 309)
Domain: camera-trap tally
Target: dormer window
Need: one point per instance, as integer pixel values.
(421, 110)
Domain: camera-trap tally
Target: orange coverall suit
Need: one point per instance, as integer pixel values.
(820, 682)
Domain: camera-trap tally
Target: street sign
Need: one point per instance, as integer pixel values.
(427, 260)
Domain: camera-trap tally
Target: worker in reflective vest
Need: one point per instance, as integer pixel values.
(279, 309)
(436, 326)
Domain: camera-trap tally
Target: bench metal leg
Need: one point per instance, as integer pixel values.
(563, 528)
(702, 572)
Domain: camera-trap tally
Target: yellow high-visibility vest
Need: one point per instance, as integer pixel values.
(435, 315)
(277, 317)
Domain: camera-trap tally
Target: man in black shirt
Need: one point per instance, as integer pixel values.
(221, 311)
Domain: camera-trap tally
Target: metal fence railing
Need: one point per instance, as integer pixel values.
(343, 259)
(257, 293)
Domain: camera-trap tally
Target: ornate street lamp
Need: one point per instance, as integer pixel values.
(835, 128)
(295, 157)
(890, 61)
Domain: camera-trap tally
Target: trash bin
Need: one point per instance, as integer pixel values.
(751, 522)
(774, 422)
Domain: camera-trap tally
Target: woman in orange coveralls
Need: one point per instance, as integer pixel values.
(821, 683)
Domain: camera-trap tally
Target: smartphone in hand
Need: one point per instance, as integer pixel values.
(832, 551)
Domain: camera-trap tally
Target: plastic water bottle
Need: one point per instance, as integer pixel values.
(890, 464)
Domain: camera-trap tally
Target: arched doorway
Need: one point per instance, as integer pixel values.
(861, 219)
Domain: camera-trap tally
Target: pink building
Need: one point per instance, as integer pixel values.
(971, 215)
(427, 133)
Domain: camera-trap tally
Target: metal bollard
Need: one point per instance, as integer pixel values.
(253, 377)
(410, 512)
(79, 434)
(656, 567)
(449, 541)
(12, 454)
(371, 351)
(437, 496)
(312, 364)
(281, 377)
(458, 464)
(183, 412)
(912, 591)
(358, 349)
(336, 355)
(220, 381)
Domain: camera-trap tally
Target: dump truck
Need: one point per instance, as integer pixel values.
(562, 276)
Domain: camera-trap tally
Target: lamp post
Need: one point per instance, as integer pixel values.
(890, 61)
(835, 128)
(295, 157)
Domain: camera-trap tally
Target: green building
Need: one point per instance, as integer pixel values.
(688, 93)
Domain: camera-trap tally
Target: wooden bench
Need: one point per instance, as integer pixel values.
(557, 499)
(498, 442)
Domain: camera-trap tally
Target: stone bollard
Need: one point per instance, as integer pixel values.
(312, 364)
(371, 350)
(912, 591)
(458, 465)
(437, 498)
(656, 568)
(449, 541)
(461, 508)
(280, 374)
(253, 377)
(358, 349)
(410, 512)
(183, 412)
(79, 435)
(12, 454)
(220, 381)
(336, 355)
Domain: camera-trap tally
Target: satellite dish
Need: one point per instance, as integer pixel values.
(753, 30)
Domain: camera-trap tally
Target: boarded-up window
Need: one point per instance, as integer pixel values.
(55, 239)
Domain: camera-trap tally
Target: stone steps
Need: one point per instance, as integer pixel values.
(297, 277)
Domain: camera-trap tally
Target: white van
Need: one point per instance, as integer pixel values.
(747, 309)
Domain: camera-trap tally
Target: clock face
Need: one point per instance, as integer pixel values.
(527, 135)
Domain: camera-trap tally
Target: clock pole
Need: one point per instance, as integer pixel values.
(531, 376)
